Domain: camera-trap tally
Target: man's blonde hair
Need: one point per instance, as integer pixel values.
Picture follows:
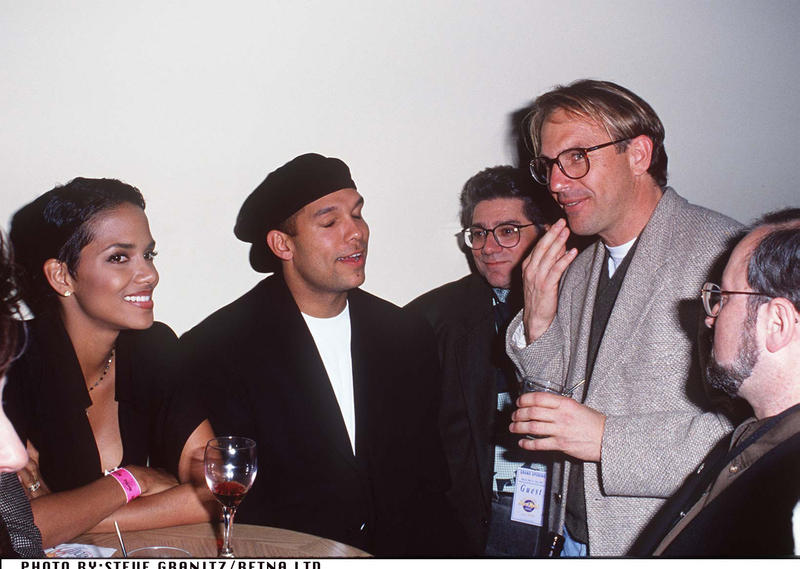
(620, 112)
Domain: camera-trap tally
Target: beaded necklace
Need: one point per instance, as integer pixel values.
(105, 371)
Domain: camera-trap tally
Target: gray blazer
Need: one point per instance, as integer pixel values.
(647, 378)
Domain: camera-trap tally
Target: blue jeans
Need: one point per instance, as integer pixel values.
(508, 538)
(572, 548)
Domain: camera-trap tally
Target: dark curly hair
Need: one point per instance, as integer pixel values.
(508, 182)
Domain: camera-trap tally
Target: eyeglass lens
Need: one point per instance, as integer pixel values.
(505, 235)
(573, 162)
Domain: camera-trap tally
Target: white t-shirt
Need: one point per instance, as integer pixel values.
(332, 337)
(616, 255)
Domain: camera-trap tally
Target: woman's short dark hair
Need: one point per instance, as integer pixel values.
(774, 267)
(9, 305)
(58, 225)
(507, 182)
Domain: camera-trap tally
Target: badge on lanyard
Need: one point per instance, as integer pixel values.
(528, 506)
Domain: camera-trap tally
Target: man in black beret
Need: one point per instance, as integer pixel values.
(337, 387)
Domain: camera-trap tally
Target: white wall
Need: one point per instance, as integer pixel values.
(196, 102)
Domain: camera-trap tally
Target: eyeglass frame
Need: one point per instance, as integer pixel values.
(705, 295)
(492, 231)
(557, 160)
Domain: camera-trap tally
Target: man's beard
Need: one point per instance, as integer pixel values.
(730, 378)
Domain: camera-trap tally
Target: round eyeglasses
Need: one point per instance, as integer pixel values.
(573, 162)
(714, 297)
(506, 235)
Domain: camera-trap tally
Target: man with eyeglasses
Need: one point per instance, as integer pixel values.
(502, 219)
(615, 324)
(743, 501)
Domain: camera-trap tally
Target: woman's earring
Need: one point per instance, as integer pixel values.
(67, 293)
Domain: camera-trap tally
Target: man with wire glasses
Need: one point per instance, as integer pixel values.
(743, 500)
(502, 216)
(616, 325)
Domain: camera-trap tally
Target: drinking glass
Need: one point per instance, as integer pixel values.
(158, 551)
(538, 384)
(230, 465)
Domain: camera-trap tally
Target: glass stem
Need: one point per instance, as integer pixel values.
(227, 519)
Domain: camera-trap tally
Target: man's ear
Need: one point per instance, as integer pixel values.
(58, 276)
(640, 150)
(781, 324)
(280, 244)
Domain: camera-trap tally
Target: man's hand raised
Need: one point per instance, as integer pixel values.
(541, 272)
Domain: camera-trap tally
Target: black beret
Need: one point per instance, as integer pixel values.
(283, 193)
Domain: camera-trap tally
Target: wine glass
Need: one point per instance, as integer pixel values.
(230, 465)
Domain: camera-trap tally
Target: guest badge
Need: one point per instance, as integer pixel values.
(528, 506)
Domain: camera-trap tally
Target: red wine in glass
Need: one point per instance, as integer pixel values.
(229, 494)
(230, 465)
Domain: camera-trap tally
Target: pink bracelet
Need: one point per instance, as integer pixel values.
(128, 483)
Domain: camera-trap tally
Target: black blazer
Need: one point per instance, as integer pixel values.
(47, 400)
(462, 316)
(257, 364)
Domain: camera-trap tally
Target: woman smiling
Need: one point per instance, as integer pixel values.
(108, 427)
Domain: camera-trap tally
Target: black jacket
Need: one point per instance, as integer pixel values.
(263, 378)
(47, 400)
(470, 350)
(752, 517)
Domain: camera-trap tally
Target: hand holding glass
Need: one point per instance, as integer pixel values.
(530, 384)
(230, 465)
